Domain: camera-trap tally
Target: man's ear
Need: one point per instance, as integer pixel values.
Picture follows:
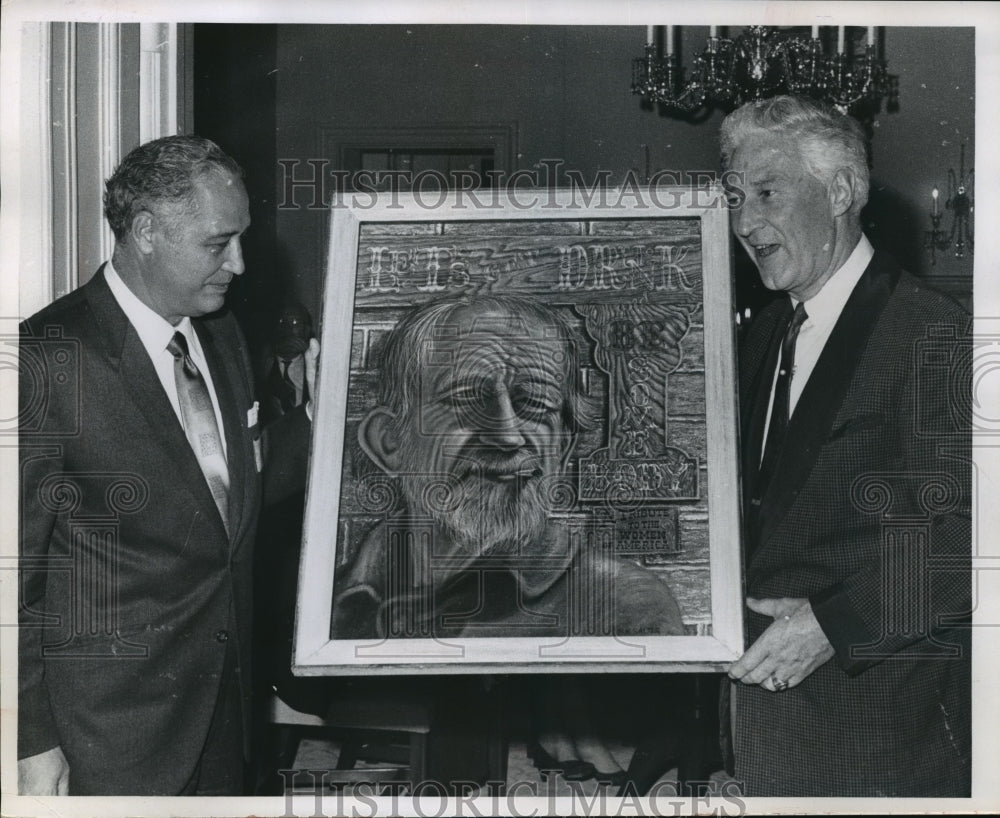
(380, 441)
(842, 191)
(141, 231)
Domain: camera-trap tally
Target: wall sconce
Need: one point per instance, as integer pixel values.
(960, 203)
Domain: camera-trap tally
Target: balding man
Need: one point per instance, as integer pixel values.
(134, 638)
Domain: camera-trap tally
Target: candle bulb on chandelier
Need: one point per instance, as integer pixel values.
(934, 202)
(730, 69)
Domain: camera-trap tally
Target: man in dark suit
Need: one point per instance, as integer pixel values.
(140, 488)
(283, 380)
(854, 390)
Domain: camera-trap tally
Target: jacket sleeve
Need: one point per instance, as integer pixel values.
(905, 600)
(286, 455)
(40, 464)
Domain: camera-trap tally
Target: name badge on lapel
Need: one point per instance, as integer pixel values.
(253, 426)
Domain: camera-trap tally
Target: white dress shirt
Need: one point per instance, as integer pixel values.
(823, 310)
(155, 333)
(296, 374)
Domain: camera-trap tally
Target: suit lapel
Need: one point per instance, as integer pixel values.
(228, 378)
(813, 418)
(140, 383)
(756, 395)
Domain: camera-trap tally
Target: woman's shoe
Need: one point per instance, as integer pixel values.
(572, 769)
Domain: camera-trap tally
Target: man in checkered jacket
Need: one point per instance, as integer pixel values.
(854, 388)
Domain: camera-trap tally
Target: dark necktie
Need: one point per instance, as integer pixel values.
(779, 406)
(200, 424)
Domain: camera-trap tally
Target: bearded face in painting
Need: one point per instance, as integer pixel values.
(479, 427)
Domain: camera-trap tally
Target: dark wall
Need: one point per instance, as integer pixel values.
(234, 105)
(561, 92)
(913, 148)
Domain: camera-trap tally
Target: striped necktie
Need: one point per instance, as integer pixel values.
(200, 424)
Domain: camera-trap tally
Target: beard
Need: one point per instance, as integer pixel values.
(481, 516)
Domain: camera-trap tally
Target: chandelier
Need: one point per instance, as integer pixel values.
(758, 64)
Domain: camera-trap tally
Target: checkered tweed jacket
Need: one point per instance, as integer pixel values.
(868, 516)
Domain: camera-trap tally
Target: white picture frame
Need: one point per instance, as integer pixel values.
(527, 234)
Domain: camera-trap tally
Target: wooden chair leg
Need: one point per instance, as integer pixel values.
(418, 758)
(702, 754)
(651, 759)
(498, 743)
(278, 753)
(287, 743)
(350, 749)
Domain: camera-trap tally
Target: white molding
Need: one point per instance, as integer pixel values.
(65, 270)
(150, 62)
(158, 66)
(109, 122)
(170, 98)
(34, 169)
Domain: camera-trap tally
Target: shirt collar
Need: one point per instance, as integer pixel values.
(153, 329)
(826, 306)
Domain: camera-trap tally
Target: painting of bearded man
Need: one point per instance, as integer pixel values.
(480, 407)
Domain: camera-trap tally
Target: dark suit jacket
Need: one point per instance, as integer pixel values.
(269, 383)
(868, 516)
(131, 589)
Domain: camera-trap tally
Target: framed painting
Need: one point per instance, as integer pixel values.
(524, 453)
